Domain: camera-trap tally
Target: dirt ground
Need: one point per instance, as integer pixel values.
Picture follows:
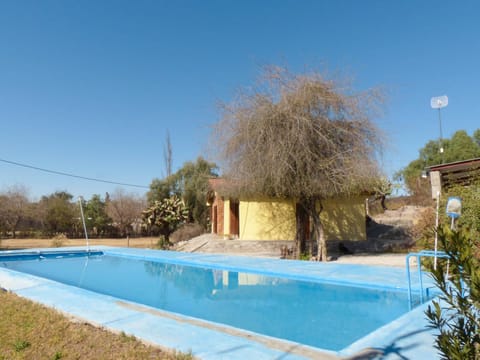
(143, 242)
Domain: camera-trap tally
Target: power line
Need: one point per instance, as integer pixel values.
(71, 175)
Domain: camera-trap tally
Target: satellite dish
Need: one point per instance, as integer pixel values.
(439, 102)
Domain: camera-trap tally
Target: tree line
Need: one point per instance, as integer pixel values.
(118, 214)
(113, 215)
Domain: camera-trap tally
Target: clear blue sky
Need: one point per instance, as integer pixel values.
(91, 87)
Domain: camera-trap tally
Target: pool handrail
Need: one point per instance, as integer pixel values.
(419, 255)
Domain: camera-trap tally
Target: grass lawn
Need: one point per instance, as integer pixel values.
(32, 331)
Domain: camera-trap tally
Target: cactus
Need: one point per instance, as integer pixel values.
(166, 215)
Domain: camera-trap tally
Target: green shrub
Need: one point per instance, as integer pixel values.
(469, 221)
(21, 345)
(470, 218)
(58, 355)
(163, 243)
(456, 315)
(305, 257)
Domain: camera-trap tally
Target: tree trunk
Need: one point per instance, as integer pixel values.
(382, 202)
(15, 226)
(321, 241)
(318, 230)
(301, 218)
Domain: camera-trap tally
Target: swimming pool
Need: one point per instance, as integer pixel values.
(316, 313)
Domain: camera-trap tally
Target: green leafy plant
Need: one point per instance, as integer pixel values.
(305, 257)
(456, 315)
(21, 345)
(163, 243)
(470, 219)
(58, 355)
(126, 337)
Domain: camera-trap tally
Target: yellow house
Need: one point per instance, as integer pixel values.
(273, 219)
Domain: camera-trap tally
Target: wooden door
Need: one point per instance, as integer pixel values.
(234, 217)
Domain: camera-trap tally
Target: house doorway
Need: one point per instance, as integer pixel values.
(215, 220)
(234, 218)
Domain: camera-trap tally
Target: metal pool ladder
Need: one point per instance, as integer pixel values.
(419, 255)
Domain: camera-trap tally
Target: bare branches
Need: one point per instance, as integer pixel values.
(299, 136)
(125, 209)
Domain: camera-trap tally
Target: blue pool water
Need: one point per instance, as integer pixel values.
(317, 314)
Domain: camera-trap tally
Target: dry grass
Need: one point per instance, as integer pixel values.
(143, 242)
(32, 331)
(186, 232)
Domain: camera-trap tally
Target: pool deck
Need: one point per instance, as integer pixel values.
(405, 338)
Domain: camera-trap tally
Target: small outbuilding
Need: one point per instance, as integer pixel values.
(264, 218)
(444, 176)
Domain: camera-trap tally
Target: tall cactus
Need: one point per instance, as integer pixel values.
(166, 214)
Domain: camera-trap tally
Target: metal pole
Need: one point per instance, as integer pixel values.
(441, 134)
(436, 231)
(440, 123)
(419, 265)
(409, 282)
(83, 221)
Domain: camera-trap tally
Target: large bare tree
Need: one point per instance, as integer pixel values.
(301, 137)
(125, 209)
(14, 205)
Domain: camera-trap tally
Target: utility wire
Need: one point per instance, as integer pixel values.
(71, 175)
